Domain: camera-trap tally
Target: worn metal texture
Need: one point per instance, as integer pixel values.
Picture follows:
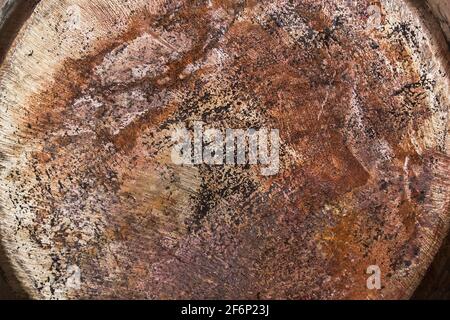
(441, 10)
(91, 91)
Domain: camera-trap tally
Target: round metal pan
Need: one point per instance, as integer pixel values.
(92, 205)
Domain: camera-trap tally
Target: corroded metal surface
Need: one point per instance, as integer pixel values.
(441, 10)
(91, 92)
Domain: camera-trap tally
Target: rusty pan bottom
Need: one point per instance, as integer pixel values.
(93, 205)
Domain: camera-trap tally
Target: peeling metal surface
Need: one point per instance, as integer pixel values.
(91, 91)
